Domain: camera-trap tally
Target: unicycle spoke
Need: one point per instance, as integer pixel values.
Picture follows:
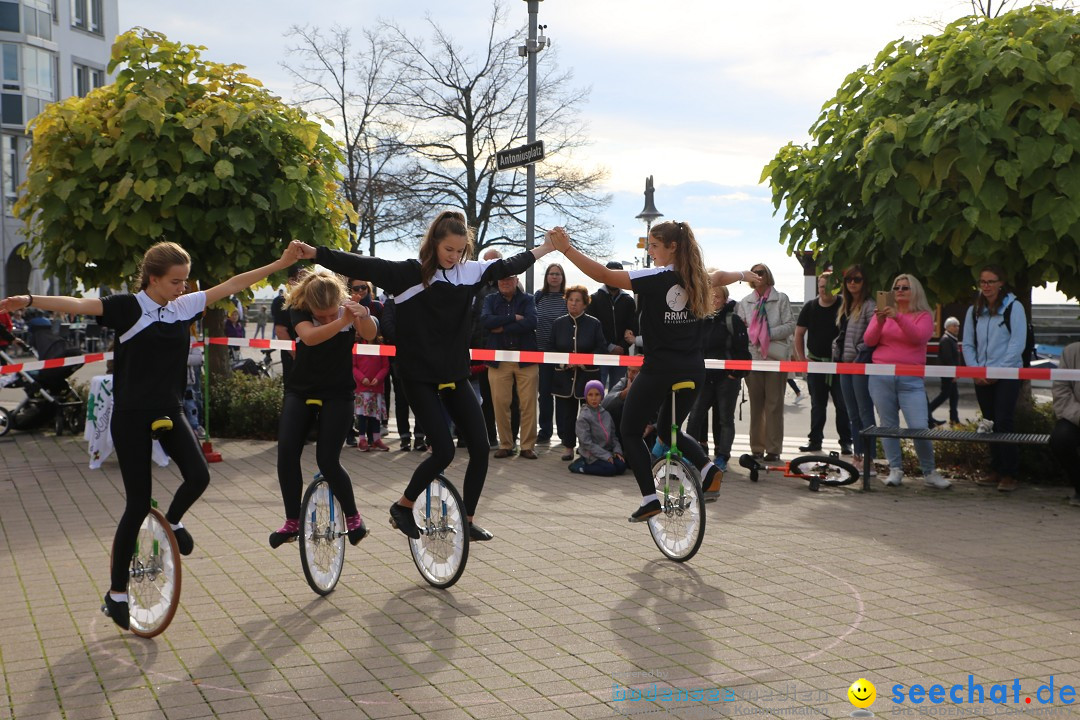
(442, 550)
(679, 529)
(154, 577)
(322, 537)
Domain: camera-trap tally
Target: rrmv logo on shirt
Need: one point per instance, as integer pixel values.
(676, 302)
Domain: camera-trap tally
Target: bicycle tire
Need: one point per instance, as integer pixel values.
(680, 527)
(322, 537)
(443, 548)
(155, 577)
(824, 470)
(5, 422)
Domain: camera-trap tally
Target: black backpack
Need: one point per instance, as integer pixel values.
(1028, 352)
(738, 341)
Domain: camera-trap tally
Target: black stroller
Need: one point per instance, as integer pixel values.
(49, 396)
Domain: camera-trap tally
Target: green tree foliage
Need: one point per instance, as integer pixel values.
(182, 149)
(947, 153)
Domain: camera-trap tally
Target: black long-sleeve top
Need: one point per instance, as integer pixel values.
(433, 323)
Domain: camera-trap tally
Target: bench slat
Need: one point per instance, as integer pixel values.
(946, 435)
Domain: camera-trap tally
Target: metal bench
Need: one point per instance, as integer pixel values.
(869, 444)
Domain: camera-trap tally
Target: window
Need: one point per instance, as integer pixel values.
(38, 80)
(86, 15)
(86, 78)
(37, 18)
(9, 177)
(9, 15)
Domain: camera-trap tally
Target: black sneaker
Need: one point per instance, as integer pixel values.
(350, 442)
(278, 538)
(406, 443)
(478, 534)
(810, 448)
(358, 533)
(184, 540)
(646, 511)
(772, 457)
(711, 491)
(420, 444)
(117, 610)
(401, 518)
(845, 449)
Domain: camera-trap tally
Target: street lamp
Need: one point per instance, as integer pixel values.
(649, 214)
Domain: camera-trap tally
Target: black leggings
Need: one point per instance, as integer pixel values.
(335, 420)
(131, 437)
(427, 405)
(651, 392)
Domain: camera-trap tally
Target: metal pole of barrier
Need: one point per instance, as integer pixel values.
(207, 446)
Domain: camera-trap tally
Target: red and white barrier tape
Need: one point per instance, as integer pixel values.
(791, 366)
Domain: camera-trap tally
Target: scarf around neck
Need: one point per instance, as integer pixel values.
(759, 323)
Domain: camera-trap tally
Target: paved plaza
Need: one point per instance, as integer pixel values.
(570, 612)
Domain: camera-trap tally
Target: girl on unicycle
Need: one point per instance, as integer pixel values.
(326, 327)
(433, 299)
(673, 297)
(150, 374)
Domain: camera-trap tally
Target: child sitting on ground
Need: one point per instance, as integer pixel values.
(601, 453)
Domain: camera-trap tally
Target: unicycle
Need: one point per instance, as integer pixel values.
(322, 532)
(828, 470)
(442, 549)
(154, 577)
(679, 528)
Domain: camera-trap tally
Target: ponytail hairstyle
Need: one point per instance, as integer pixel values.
(688, 264)
(448, 222)
(316, 291)
(851, 306)
(1003, 290)
(157, 261)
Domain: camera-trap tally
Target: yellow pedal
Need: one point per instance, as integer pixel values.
(314, 401)
(687, 385)
(447, 386)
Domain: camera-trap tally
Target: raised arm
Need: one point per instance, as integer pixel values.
(54, 303)
(244, 280)
(615, 278)
(727, 277)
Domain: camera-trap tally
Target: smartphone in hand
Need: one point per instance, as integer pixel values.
(885, 298)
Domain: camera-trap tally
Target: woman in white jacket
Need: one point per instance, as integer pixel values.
(771, 324)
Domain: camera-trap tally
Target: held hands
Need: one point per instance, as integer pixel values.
(355, 311)
(559, 239)
(15, 302)
(302, 250)
(887, 312)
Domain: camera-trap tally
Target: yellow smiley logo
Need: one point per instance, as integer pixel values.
(862, 693)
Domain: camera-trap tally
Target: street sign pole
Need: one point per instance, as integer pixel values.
(530, 178)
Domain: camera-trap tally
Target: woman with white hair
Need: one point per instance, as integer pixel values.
(898, 334)
(948, 354)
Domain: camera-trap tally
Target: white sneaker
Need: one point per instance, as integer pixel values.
(896, 476)
(935, 480)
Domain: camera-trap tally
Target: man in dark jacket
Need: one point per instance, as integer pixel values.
(948, 354)
(509, 317)
(617, 313)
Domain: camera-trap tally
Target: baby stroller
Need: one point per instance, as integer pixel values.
(49, 396)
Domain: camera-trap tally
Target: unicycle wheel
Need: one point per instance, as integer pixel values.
(322, 537)
(443, 548)
(821, 470)
(680, 526)
(154, 579)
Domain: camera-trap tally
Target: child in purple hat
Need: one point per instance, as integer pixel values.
(601, 453)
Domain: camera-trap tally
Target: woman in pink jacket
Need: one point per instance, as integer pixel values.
(899, 333)
(369, 372)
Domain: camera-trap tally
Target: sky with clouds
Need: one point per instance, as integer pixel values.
(700, 94)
